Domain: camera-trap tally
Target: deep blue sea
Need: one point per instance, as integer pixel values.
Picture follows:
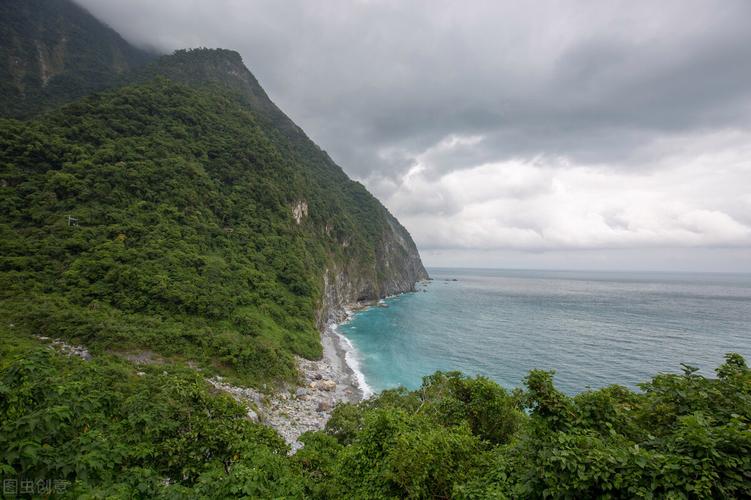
(593, 328)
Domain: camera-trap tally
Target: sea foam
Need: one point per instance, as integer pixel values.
(352, 358)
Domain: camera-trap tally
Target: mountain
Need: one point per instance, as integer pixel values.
(392, 264)
(182, 213)
(55, 51)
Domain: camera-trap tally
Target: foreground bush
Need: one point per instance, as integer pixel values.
(111, 432)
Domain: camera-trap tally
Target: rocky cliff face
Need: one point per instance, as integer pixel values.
(396, 270)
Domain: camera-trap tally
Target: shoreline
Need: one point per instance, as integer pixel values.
(335, 378)
(307, 406)
(349, 353)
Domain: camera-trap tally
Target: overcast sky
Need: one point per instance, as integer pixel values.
(559, 134)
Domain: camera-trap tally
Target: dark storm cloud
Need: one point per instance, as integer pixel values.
(583, 79)
(472, 110)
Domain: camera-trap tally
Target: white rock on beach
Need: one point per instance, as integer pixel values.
(324, 385)
(329, 380)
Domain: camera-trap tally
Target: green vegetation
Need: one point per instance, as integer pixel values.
(185, 242)
(112, 432)
(164, 433)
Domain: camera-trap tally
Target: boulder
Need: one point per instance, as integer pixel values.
(327, 385)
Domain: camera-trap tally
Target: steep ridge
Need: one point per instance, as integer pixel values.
(395, 264)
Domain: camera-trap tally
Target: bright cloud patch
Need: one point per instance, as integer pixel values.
(540, 204)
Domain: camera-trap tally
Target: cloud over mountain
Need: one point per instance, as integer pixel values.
(547, 126)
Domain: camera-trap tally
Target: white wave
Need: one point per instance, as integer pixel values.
(352, 358)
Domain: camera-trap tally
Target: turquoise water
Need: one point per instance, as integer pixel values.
(593, 328)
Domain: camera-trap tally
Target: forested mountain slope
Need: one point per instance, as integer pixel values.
(198, 232)
(179, 212)
(390, 262)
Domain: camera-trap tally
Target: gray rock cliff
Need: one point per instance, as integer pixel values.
(396, 270)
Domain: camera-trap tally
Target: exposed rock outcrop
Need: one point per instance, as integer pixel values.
(65, 348)
(396, 270)
(300, 211)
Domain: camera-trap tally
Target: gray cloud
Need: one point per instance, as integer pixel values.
(609, 91)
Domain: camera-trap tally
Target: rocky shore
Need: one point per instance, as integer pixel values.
(294, 410)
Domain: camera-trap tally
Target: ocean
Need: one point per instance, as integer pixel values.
(592, 328)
